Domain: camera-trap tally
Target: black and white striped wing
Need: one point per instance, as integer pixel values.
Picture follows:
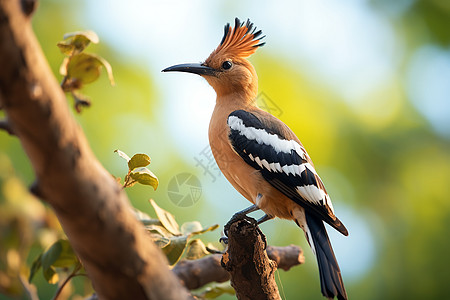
(283, 162)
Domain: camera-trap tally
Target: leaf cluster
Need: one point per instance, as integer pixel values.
(80, 68)
(138, 171)
(60, 256)
(173, 239)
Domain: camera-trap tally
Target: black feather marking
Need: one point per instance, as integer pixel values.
(260, 44)
(256, 34)
(226, 30)
(331, 281)
(308, 177)
(237, 24)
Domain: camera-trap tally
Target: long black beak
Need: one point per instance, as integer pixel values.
(192, 68)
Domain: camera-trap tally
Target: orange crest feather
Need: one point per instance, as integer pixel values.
(240, 41)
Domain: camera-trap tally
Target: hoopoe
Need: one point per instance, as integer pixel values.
(260, 156)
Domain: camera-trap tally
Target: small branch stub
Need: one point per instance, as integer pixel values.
(251, 270)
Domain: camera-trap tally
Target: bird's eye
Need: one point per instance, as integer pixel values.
(227, 65)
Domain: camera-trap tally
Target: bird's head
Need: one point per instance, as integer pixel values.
(226, 69)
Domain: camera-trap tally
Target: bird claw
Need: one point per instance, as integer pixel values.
(237, 217)
(250, 220)
(224, 239)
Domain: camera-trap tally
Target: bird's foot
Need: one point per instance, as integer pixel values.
(237, 217)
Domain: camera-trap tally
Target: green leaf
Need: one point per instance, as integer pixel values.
(67, 257)
(138, 160)
(51, 255)
(50, 275)
(122, 154)
(145, 176)
(37, 264)
(85, 68)
(216, 290)
(175, 248)
(196, 249)
(166, 218)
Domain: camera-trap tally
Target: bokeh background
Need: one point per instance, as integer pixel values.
(364, 84)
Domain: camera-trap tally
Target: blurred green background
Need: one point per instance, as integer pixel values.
(364, 84)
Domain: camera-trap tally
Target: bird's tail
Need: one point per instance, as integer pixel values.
(331, 281)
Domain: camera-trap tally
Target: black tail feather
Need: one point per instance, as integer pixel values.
(331, 281)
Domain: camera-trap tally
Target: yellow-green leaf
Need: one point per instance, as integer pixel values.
(166, 218)
(160, 241)
(66, 48)
(158, 230)
(138, 160)
(210, 228)
(50, 275)
(63, 67)
(108, 69)
(67, 257)
(84, 68)
(216, 290)
(190, 227)
(175, 248)
(196, 249)
(76, 42)
(122, 154)
(145, 176)
(87, 34)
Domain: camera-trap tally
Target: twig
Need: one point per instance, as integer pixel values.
(196, 273)
(29, 288)
(71, 275)
(7, 127)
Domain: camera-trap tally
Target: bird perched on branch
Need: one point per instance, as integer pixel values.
(260, 155)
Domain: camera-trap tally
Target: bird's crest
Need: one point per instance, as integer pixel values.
(242, 40)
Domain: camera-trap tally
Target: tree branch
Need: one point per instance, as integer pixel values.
(95, 213)
(196, 273)
(4, 125)
(251, 271)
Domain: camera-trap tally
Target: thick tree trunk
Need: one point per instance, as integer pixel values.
(95, 213)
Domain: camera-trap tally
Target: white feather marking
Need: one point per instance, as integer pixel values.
(299, 215)
(258, 161)
(285, 169)
(251, 157)
(328, 202)
(272, 167)
(278, 167)
(310, 239)
(263, 137)
(311, 193)
(266, 164)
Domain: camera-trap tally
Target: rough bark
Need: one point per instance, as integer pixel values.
(196, 273)
(95, 213)
(251, 270)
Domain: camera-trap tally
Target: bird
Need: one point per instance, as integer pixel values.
(260, 155)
